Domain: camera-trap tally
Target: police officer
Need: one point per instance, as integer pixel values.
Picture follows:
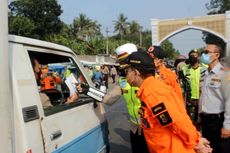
(138, 142)
(166, 125)
(163, 73)
(214, 107)
(192, 74)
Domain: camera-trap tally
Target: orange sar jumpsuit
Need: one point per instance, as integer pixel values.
(170, 78)
(166, 125)
(49, 82)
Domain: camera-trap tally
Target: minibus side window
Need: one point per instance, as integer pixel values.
(57, 77)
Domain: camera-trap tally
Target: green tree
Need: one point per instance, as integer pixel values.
(171, 52)
(134, 27)
(44, 14)
(121, 25)
(146, 39)
(218, 6)
(21, 26)
(84, 28)
(86, 35)
(134, 33)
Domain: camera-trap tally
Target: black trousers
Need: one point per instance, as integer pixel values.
(211, 125)
(138, 143)
(106, 78)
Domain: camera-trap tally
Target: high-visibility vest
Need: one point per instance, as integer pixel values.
(133, 103)
(193, 78)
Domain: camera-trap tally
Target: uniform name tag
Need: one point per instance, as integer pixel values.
(215, 80)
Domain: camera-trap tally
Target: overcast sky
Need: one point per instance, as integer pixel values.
(142, 11)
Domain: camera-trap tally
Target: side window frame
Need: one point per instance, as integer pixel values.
(83, 99)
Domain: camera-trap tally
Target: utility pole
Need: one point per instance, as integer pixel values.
(6, 102)
(140, 39)
(107, 41)
(140, 36)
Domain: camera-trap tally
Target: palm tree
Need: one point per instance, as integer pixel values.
(121, 25)
(84, 28)
(134, 27)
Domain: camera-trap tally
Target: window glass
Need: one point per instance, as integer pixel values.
(57, 77)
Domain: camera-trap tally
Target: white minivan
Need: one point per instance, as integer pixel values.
(77, 127)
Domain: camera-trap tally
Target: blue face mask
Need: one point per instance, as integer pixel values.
(205, 58)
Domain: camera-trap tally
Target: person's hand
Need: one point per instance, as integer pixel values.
(72, 98)
(82, 88)
(203, 146)
(79, 88)
(225, 133)
(54, 74)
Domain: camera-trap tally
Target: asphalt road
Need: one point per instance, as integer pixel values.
(118, 120)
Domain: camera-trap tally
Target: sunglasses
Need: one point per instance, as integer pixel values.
(207, 52)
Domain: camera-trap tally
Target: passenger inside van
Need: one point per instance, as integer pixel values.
(49, 79)
(37, 71)
(48, 82)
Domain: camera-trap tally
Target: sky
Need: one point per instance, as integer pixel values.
(105, 12)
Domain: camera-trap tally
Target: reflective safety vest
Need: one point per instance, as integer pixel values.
(133, 103)
(193, 77)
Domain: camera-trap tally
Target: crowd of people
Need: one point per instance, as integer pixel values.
(187, 110)
(100, 74)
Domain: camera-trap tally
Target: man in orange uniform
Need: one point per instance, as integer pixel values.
(168, 76)
(166, 125)
(48, 80)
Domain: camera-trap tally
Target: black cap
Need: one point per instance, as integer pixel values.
(193, 51)
(157, 52)
(141, 59)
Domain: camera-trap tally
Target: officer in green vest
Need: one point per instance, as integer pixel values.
(193, 73)
(133, 103)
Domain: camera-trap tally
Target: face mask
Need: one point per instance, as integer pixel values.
(193, 60)
(205, 58)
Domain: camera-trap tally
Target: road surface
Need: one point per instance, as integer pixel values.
(118, 120)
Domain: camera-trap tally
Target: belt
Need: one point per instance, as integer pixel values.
(207, 115)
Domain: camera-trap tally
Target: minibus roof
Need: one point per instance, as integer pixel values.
(35, 42)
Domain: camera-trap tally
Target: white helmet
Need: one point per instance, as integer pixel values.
(124, 50)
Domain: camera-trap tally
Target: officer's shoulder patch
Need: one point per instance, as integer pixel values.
(164, 118)
(158, 108)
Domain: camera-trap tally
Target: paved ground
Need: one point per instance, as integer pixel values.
(118, 126)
